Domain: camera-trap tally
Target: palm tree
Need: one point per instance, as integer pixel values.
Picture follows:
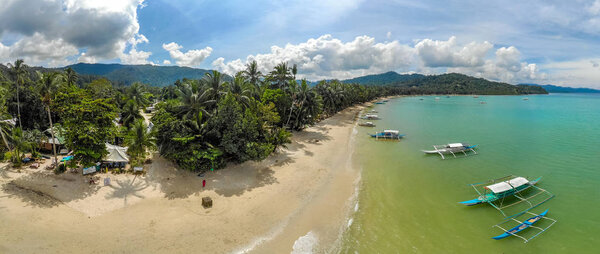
(280, 75)
(48, 83)
(293, 85)
(194, 100)
(4, 125)
(251, 73)
(20, 145)
(130, 113)
(139, 139)
(19, 71)
(70, 77)
(240, 89)
(294, 71)
(214, 83)
(137, 92)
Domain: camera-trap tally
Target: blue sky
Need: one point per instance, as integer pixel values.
(514, 41)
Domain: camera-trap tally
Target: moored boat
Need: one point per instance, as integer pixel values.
(371, 117)
(502, 189)
(526, 224)
(366, 124)
(451, 148)
(387, 134)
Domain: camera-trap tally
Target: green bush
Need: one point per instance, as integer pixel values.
(60, 169)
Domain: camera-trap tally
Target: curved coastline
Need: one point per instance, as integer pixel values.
(309, 187)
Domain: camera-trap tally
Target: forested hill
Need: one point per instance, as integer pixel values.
(451, 83)
(121, 74)
(566, 89)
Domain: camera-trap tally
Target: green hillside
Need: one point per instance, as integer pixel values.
(451, 83)
(148, 74)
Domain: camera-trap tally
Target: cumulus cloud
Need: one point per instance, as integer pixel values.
(136, 57)
(327, 57)
(449, 54)
(166, 62)
(104, 29)
(190, 58)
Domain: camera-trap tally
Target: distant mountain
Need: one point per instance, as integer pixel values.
(451, 83)
(383, 79)
(566, 89)
(148, 74)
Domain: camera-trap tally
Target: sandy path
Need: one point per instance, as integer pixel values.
(264, 207)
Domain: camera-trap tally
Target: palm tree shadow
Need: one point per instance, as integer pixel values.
(125, 189)
(30, 197)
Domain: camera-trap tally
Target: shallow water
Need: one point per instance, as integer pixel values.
(408, 201)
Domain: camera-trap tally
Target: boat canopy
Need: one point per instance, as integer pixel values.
(371, 115)
(392, 131)
(453, 145)
(507, 185)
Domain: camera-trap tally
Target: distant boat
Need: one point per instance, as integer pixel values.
(526, 224)
(386, 100)
(366, 124)
(371, 117)
(379, 102)
(525, 99)
(447, 96)
(420, 99)
(482, 102)
(501, 190)
(437, 98)
(475, 96)
(373, 111)
(451, 148)
(387, 134)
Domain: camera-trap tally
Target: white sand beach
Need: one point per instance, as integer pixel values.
(303, 191)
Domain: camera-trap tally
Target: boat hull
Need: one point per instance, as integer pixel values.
(492, 198)
(526, 224)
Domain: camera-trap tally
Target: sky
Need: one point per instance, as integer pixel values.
(544, 42)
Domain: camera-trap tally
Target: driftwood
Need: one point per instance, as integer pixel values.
(206, 202)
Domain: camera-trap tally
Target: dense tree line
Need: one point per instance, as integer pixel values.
(200, 124)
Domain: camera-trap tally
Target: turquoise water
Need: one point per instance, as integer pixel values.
(408, 200)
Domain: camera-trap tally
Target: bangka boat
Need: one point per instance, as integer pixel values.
(520, 226)
(437, 98)
(386, 100)
(525, 99)
(387, 134)
(373, 111)
(507, 192)
(501, 190)
(451, 148)
(366, 124)
(475, 96)
(371, 117)
(380, 102)
(482, 102)
(526, 224)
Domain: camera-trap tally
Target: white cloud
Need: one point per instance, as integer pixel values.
(190, 58)
(136, 57)
(594, 9)
(575, 73)
(166, 62)
(327, 57)
(103, 29)
(449, 54)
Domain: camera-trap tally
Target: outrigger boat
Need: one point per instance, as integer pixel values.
(525, 225)
(451, 148)
(371, 117)
(528, 223)
(508, 191)
(367, 124)
(387, 134)
(373, 111)
(501, 190)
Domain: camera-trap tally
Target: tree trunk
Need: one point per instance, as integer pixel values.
(52, 134)
(19, 106)
(4, 138)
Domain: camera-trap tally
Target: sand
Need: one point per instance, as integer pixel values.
(297, 200)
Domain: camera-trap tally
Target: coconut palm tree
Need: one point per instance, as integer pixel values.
(48, 84)
(139, 139)
(194, 100)
(240, 89)
(20, 145)
(214, 83)
(280, 75)
(130, 113)
(137, 92)
(19, 71)
(251, 73)
(70, 77)
(4, 125)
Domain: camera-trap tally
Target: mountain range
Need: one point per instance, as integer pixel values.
(566, 89)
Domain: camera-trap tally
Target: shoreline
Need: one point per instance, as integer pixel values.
(258, 206)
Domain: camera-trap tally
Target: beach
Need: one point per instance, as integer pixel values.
(298, 199)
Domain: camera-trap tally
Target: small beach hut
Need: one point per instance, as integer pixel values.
(117, 156)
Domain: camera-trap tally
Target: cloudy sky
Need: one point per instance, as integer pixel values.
(554, 42)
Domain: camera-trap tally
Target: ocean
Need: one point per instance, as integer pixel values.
(408, 201)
